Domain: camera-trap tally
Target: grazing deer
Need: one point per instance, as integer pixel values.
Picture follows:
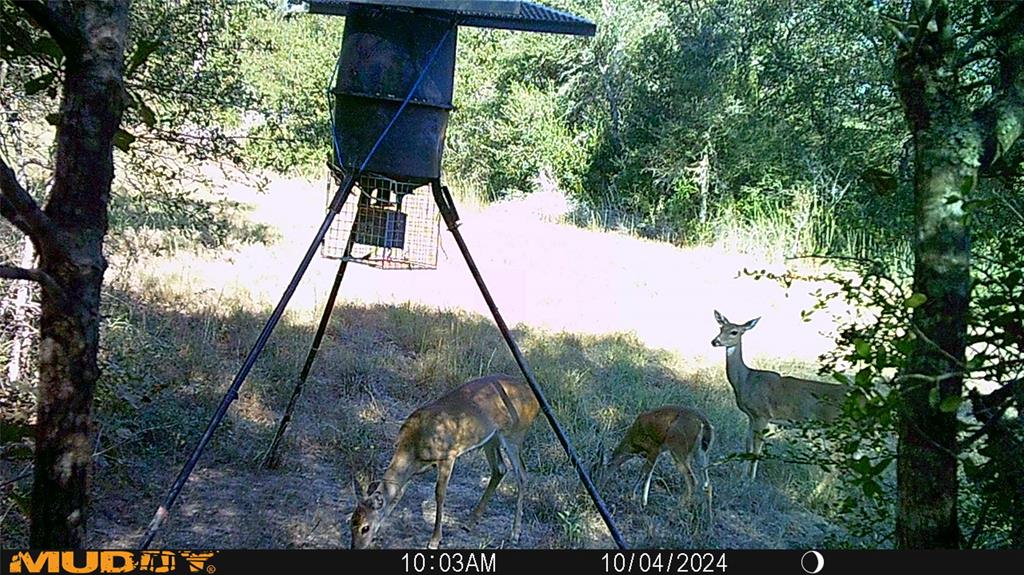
(766, 396)
(492, 412)
(684, 432)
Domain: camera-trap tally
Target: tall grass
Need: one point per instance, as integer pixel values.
(169, 352)
(805, 220)
(168, 356)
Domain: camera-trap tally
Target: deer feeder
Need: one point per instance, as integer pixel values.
(391, 97)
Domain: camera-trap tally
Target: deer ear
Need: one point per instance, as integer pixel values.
(751, 323)
(357, 490)
(375, 499)
(721, 318)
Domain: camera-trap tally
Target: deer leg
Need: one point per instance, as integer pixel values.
(684, 467)
(515, 458)
(708, 492)
(757, 428)
(394, 501)
(706, 486)
(444, 473)
(649, 472)
(497, 473)
(393, 504)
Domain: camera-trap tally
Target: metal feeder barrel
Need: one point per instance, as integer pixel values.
(382, 54)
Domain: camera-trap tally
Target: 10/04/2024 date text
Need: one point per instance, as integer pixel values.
(663, 562)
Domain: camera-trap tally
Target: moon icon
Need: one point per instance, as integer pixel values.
(812, 562)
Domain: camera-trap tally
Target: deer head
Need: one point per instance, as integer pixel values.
(731, 333)
(368, 516)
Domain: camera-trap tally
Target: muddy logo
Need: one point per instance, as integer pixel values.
(111, 562)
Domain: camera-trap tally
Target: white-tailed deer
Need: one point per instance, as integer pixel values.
(492, 412)
(683, 432)
(766, 396)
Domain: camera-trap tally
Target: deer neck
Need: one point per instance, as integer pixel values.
(399, 472)
(737, 372)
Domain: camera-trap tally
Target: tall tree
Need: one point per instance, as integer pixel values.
(68, 234)
(960, 75)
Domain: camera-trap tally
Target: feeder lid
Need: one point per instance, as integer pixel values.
(504, 14)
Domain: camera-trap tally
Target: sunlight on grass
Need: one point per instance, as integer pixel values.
(611, 324)
(544, 274)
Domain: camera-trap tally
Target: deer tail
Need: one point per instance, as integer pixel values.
(707, 436)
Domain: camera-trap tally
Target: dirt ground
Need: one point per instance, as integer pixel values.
(377, 365)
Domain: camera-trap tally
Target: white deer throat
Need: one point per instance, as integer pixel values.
(735, 370)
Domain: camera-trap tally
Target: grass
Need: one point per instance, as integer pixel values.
(768, 225)
(605, 342)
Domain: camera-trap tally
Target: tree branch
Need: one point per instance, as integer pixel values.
(993, 28)
(19, 208)
(893, 25)
(989, 409)
(1001, 121)
(63, 32)
(919, 333)
(968, 88)
(36, 275)
(974, 57)
(922, 26)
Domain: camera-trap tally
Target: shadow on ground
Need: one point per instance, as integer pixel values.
(167, 361)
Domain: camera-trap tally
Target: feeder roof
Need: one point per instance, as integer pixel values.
(504, 14)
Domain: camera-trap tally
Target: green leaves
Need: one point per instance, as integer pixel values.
(146, 114)
(45, 45)
(904, 345)
(950, 404)
(123, 139)
(916, 300)
(39, 83)
(863, 466)
(143, 50)
(863, 348)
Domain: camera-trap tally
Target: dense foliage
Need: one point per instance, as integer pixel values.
(683, 114)
(779, 122)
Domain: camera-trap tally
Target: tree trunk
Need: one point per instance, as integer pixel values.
(952, 145)
(704, 178)
(92, 105)
(927, 466)
(946, 162)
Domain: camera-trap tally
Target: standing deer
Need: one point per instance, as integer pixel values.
(766, 396)
(684, 432)
(492, 412)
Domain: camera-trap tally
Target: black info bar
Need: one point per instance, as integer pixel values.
(238, 561)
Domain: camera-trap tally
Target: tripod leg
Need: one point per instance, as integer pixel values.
(451, 219)
(232, 394)
(271, 459)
